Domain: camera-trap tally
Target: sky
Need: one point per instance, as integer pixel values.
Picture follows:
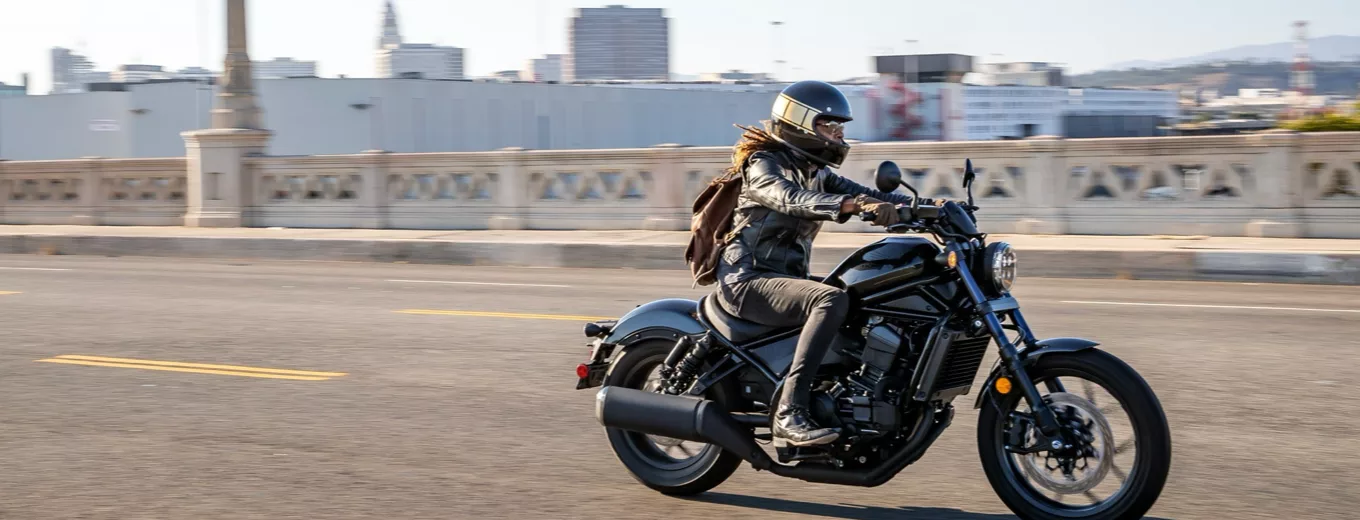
(828, 40)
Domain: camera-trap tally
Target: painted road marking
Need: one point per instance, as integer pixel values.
(1197, 306)
(514, 315)
(9, 292)
(197, 368)
(450, 282)
(32, 269)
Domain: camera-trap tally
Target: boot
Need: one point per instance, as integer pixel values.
(793, 425)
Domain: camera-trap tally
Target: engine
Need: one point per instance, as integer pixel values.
(869, 397)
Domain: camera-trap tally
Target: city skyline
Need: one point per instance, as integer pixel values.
(707, 36)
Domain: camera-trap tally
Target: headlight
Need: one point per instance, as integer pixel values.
(999, 264)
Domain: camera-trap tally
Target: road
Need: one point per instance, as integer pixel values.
(397, 415)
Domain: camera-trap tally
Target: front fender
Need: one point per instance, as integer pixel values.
(666, 318)
(1042, 348)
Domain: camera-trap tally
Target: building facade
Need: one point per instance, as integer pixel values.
(71, 72)
(135, 73)
(420, 61)
(547, 69)
(283, 68)
(618, 43)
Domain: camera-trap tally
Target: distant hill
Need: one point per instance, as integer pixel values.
(1331, 78)
(1326, 48)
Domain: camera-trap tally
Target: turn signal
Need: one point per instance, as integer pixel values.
(953, 259)
(582, 371)
(1003, 385)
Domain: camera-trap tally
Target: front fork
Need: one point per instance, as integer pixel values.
(1011, 362)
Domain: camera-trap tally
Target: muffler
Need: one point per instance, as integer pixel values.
(677, 417)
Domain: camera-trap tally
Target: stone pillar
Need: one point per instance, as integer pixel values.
(1278, 176)
(512, 191)
(220, 190)
(374, 195)
(91, 201)
(1045, 187)
(669, 209)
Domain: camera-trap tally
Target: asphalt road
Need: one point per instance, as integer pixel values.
(459, 416)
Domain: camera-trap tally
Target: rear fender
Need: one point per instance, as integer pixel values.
(1042, 348)
(664, 319)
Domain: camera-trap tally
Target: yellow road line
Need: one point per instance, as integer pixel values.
(517, 315)
(236, 368)
(9, 292)
(179, 369)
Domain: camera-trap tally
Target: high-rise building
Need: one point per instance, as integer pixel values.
(137, 73)
(391, 35)
(71, 72)
(283, 68)
(543, 70)
(617, 42)
(396, 59)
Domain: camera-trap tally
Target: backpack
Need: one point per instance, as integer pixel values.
(711, 226)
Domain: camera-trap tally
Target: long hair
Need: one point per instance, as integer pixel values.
(752, 140)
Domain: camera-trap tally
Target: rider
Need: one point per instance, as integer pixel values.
(788, 191)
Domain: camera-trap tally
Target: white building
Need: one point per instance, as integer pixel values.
(959, 112)
(134, 73)
(283, 68)
(1027, 73)
(195, 73)
(396, 59)
(547, 69)
(71, 72)
(735, 75)
(420, 60)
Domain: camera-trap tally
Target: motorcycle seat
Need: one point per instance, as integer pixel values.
(735, 329)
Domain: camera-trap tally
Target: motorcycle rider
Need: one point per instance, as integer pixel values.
(788, 191)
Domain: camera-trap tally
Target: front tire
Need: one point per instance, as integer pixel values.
(650, 464)
(1014, 476)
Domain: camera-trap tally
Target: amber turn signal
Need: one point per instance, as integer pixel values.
(1003, 386)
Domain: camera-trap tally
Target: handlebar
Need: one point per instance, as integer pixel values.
(907, 214)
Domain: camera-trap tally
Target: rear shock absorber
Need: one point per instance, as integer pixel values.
(686, 369)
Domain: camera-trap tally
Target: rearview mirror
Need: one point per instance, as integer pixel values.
(888, 177)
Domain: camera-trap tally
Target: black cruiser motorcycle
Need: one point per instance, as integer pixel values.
(688, 388)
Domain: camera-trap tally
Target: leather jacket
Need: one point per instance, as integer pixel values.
(783, 203)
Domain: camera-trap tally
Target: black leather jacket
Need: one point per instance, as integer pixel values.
(783, 203)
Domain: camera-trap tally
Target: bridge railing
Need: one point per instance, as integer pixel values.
(1271, 184)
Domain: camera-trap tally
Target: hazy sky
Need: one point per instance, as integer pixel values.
(826, 39)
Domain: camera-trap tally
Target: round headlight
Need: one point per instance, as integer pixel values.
(1000, 265)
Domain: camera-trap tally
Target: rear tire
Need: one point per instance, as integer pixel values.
(1152, 440)
(697, 474)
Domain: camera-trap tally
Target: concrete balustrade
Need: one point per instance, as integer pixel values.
(1277, 184)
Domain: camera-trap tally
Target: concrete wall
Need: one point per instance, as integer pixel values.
(1276, 184)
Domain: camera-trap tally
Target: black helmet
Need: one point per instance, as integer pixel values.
(796, 113)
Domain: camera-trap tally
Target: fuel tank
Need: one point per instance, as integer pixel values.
(886, 264)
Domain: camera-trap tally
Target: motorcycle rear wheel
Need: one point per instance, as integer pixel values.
(1138, 486)
(653, 463)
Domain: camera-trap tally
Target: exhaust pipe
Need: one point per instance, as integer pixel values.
(677, 417)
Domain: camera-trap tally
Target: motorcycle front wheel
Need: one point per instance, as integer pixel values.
(1118, 453)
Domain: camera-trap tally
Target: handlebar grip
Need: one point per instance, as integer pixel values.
(868, 216)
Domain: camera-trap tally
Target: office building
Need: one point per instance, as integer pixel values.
(134, 73)
(397, 59)
(547, 69)
(618, 43)
(71, 72)
(283, 68)
(1028, 74)
(195, 73)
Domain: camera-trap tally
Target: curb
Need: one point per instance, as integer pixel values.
(1215, 265)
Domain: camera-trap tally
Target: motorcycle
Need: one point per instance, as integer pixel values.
(688, 389)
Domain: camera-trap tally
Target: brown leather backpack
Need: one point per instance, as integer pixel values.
(711, 226)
